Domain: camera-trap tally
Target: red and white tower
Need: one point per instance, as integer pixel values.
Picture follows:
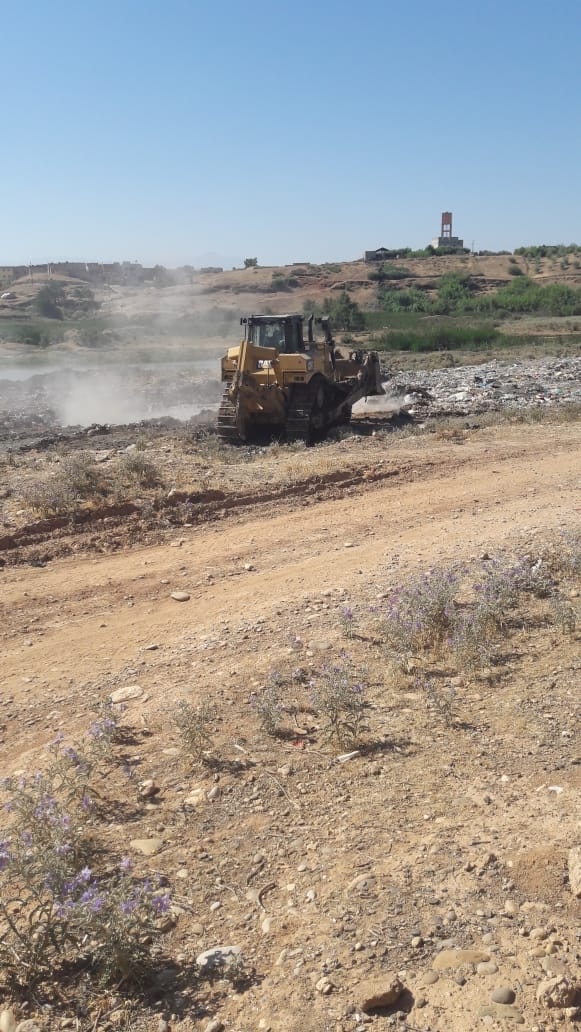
(446, 233)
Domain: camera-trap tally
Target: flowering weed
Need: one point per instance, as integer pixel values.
(427, 612)
(421, 614)
(268, 707)
(439, 698)
(348, 621)
(196, 727)
(338, 697)
(56, 907)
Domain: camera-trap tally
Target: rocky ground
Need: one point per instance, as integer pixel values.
(422, 876)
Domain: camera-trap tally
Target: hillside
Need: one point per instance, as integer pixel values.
(400, 296)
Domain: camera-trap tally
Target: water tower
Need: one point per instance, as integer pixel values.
(446, 238)
(446, 233)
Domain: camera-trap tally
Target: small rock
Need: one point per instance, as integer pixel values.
(575, 871)
(379, 992)
(503, 995)
(162, 1025)
(457, 958)
(195, 798)
(131, 691)
(487, 968)
(324, 986)
(214, 793)
(180, 596)
(249, 567)
(511, 908)
(215, 1025)
(149, 847)
(419, 1002)
(538, 933)
(148, 789)
(217, 957)
(7, 1021)
(428, 978)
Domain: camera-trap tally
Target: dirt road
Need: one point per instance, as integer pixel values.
(90, 618)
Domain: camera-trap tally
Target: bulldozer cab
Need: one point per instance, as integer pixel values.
(285, 333)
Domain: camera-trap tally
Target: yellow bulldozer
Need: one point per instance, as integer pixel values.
(278, 381)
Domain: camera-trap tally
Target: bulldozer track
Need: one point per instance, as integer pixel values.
(298, 422)
(304, 420)
(226, 422)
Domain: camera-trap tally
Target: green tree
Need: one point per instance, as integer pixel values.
(48, 301)
(344, 312)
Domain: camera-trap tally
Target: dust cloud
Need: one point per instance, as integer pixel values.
(144, 352)
(131, 394)
(108, 392)
(383, 404)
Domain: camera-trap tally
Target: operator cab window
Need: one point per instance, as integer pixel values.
(294, 338)
(268, 336)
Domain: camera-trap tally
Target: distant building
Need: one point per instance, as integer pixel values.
(446, 239)
(380, 255)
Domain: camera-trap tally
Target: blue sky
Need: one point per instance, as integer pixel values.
(190, 130)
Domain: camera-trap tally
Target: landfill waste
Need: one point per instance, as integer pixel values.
(475, 389)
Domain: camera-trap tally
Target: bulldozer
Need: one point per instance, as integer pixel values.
(285, 382)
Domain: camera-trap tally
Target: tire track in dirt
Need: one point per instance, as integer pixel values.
(203, 506)
(95, 615)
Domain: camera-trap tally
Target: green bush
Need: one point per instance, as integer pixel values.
(345, 313)
(36, 334)
(522, 295)
(548, 250)
(412, 300)
(437, 338)
(280, 282)
(389, 272)
(454, 293)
